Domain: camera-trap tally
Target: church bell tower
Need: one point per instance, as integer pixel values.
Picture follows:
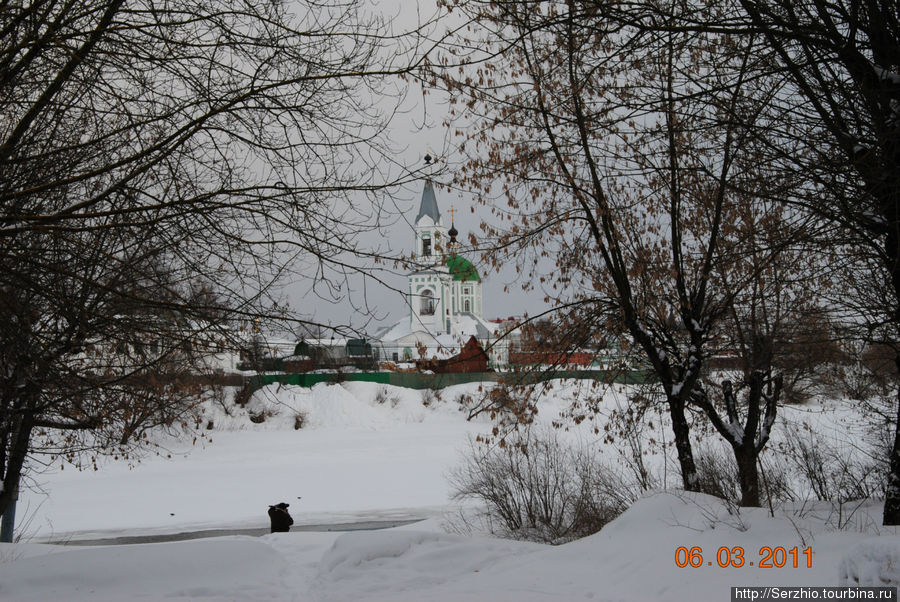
(444, 287)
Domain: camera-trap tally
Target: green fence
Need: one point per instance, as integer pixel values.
(415, 380)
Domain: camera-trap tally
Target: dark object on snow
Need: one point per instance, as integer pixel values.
(281, 518)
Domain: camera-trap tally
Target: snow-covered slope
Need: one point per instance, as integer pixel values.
(372, 451)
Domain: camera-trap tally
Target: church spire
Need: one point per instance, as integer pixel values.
(429, 206)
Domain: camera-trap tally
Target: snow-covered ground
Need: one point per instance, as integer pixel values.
(356, 458)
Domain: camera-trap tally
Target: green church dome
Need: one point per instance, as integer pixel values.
(462, 269)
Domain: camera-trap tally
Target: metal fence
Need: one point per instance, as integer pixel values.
(417, 380)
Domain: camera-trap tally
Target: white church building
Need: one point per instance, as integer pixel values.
(444, 298)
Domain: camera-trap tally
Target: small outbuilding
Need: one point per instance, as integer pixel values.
(471, 358)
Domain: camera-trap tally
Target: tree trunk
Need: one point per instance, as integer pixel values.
(748, 475)
(8, 520)
(681, 431)
(892, 493)
(891, 514)
(748, 442)
(21, 438)
(884, 184)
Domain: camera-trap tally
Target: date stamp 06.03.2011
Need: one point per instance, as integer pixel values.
(736, 557)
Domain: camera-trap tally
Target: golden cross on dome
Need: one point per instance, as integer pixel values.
(452, 213)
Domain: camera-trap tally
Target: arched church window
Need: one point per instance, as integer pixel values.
(427, 303)
(467, 306)
(426, 246)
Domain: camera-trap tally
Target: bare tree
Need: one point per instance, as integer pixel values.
(625, 156)
(162, 165)
(843, 59)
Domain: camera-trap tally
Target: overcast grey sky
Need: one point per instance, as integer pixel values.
(369, 299)
(418, 130)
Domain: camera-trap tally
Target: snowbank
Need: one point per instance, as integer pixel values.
(873, 562)
(634, 558)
